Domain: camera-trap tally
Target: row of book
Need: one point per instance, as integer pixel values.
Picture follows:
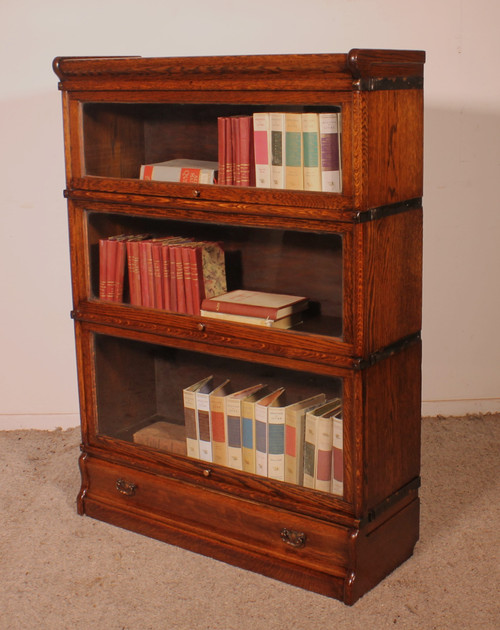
(298, 151)
(256, 431)
(172, 272)
(286, 150)
(187, 276)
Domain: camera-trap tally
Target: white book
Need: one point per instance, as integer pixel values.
(294, 437)
(233, 419)
(278, 147)
(262, 149)
(276, 443)
(191, 415)
(203, 422)
(331, 171)
(338, 455)
(261, 431)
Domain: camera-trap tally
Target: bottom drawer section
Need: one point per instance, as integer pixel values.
(248, 526)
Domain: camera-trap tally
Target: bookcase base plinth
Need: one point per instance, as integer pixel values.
(335, 561)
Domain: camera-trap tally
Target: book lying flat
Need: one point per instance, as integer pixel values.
(191, 171)
(163, 436)
(284, 322)
(271, 306)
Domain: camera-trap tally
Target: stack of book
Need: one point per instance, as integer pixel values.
(255, 430)
(172, 273)
(274, 310)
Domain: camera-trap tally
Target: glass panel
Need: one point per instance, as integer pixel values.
(295, 147)
(273, 422)
(270, 261)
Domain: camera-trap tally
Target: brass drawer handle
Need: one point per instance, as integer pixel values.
(292, 538)
(126, 487)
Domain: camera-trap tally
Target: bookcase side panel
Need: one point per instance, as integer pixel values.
(392, 424)
(394, 146)
(390, 281)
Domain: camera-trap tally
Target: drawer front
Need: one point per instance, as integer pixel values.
(248, 525)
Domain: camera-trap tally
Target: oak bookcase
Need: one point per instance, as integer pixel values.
(356, 254)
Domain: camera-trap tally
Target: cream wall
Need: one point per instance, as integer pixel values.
(462, 150)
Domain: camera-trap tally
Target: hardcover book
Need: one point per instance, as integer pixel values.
(262, 148)
(163, 436)
(331, 179)
(248, 430)
(294, 436)
(181, 170)
(233, 415)
(273, 399)
(192, 435)
(311, 439)
(284, 322)
(278, 138)
(311, 145)
(294, 171)
(272, 306)
(203, 420)
(218, 422)
(338, 455)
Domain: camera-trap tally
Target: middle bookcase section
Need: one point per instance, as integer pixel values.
(257, 418)
(271, 278)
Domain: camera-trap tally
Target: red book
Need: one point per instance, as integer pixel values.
(119, 270)
(188, 282)
(256, 304)
(221, 138)
(230, 179)
(159, 301)
(146, 274)
(134, 276)
(103, 279)
(236, 152)
(246, 158)
(179, 279)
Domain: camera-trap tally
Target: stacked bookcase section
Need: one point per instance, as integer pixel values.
(246, 250)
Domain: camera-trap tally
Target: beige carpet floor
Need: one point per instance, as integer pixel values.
(62, 571)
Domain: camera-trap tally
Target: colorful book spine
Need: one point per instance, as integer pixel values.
(338, 455)
(311, 147)
(323, 454)
(294, 437)
(192, 438)
(192, 406)
(234, 425)
(261, 429)
(276, 443)
(218, 421)
(311, 441)
(331, 180)
(248, 433)
(294, 171)
(262, 148)
(278, 146)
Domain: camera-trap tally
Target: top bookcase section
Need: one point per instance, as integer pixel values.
(125, 112)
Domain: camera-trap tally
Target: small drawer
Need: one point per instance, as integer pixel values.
(230, 520)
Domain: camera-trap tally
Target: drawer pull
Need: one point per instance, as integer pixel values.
(292, 538)
(126, 487)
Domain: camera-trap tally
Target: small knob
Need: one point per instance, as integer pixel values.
(200, 326)
(197, 193)
(207, 472)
